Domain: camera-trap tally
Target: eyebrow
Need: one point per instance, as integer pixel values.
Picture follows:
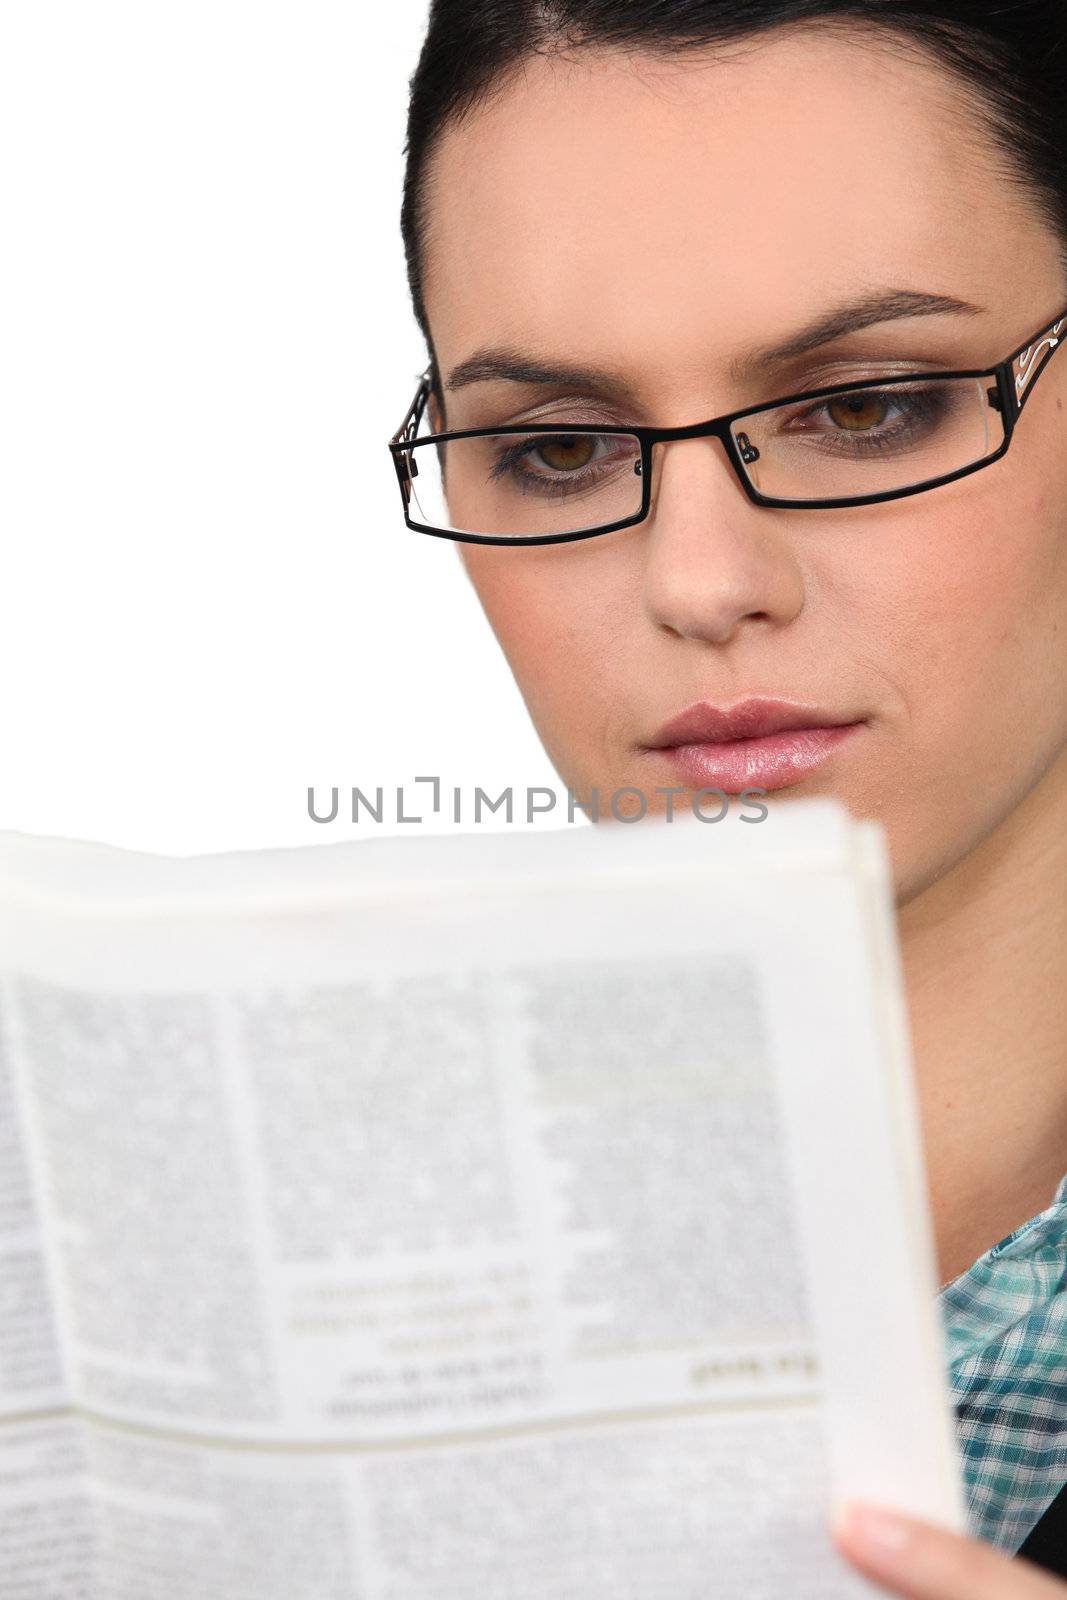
(885, 306)
(504, 363)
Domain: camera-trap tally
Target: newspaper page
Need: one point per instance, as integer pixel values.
(536, 1216)
(45, 1533)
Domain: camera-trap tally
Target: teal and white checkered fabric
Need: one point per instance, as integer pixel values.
(1005, 1324)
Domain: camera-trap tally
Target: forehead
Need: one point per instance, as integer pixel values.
(610, 197)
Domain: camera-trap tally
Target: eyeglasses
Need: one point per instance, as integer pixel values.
(851, 445)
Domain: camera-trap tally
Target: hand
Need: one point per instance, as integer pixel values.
(915, 1559)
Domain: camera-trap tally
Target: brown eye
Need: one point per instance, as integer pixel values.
(858, 412)
(568, 452)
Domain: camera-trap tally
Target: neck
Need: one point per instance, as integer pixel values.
(985, 962)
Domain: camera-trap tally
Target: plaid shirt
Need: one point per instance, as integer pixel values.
(1005, 1324)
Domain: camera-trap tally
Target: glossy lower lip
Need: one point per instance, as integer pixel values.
(771, 762)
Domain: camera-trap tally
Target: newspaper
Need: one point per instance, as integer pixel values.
(532, 1216)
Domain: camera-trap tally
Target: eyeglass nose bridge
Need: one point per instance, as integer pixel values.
(739, 448)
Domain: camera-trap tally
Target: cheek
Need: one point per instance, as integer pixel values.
(979, 638)
(559, 615)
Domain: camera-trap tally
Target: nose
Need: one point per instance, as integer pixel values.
(715, 562)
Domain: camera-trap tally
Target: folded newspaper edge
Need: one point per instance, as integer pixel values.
(811, 835)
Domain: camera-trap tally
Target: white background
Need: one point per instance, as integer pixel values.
(209, 600)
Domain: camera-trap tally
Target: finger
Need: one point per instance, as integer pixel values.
(922, 1562)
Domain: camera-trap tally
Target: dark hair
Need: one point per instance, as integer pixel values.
(1012, 54)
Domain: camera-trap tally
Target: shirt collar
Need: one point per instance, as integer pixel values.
(1023, 1275)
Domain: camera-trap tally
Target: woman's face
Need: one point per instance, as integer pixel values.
(661, 223)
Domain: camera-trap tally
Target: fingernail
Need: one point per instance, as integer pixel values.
(876, 1527)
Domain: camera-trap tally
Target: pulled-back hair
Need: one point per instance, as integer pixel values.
(1010, 54)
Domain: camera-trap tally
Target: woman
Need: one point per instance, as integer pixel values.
(624, 214)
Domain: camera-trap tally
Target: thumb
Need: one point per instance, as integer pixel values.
(915, 1559)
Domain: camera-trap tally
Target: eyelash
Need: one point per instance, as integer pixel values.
(508, 462)
(926, 404)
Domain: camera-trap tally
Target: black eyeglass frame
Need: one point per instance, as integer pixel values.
(1008, 395)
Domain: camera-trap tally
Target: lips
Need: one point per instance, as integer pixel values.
(758, 743)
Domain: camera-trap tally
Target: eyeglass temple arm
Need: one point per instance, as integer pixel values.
(413, 416)
(1023, 367)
